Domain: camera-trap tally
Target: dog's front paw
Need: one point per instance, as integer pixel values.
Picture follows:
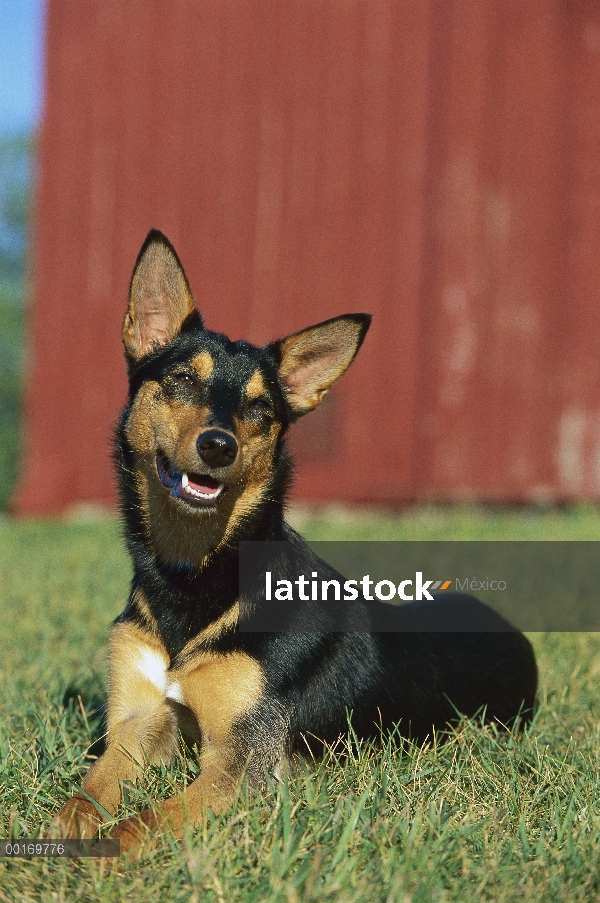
(78, 818)
(135, 832)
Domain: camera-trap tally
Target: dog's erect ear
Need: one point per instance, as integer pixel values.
(310, 361)
(161, 304)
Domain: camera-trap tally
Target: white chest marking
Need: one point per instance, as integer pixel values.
(175, 692)
(154, 668)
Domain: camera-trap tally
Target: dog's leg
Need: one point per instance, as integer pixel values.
(142, 728)
(244, 732)
(214, 789)
(223, 765)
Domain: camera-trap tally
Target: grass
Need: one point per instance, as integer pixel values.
(481, 816)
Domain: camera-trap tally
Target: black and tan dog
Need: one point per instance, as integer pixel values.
(202, 465)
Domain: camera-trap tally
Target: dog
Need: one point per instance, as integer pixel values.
(202, 465)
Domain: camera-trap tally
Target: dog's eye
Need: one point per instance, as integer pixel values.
(184, 378)
(261, 404)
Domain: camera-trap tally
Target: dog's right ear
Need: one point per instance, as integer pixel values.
(161, 304)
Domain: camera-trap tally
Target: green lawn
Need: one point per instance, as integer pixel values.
(482, 816)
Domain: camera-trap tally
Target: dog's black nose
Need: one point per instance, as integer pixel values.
(217, 448)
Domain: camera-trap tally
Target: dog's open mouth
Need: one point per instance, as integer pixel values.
(197, 489)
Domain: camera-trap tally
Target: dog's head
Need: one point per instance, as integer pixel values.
(207, 416)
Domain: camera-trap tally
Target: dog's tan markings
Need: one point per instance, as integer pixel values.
(175, 535)
(256, 386)
(258, 451)
(219, 690)
(214, 789)
(142, 726)
(139, 428)
(155, 422)
(203, 364)
(138, 671)
(228, 620)
(140, 603)
(176, 429)
(160, 299)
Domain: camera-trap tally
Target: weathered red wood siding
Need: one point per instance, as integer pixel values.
(434, 163)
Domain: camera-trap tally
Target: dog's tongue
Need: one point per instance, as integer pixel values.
(205, 485)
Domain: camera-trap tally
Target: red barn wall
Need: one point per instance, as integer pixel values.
(436, 164)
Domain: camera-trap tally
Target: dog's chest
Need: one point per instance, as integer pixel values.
(217, 688)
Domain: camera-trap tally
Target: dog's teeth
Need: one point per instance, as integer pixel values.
(184, 480)
(203, 495)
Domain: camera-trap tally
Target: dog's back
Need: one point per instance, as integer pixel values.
(418, 665)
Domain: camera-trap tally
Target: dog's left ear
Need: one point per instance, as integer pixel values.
(309, 362)
(161, 304)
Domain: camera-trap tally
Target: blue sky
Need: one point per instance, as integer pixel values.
(21, 64)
